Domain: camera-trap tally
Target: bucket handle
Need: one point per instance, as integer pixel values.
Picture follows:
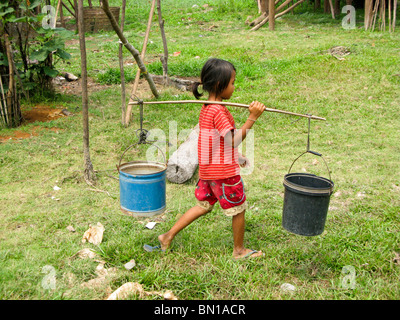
(140, 142)
(315, 153)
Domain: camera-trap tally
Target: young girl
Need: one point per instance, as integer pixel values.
(219, 169)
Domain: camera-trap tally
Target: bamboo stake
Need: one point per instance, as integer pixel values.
(135, 53)
(11, 87)
(368, 14)
(121, 66)
(164, 59)
(383, 15)
(136, 83)
(240, 105)
(375, 13)
(259, 25)
(389, 15)
(332, 10)
(55, 18)
(3, 104)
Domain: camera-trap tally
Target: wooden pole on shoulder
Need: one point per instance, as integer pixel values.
(240, 105)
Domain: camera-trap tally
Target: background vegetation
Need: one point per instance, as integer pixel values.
(288, 69)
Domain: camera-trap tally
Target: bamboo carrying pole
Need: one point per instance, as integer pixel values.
(240, 105)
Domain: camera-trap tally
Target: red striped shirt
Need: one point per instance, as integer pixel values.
(216, 159)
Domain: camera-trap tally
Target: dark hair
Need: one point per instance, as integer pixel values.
(215, 77)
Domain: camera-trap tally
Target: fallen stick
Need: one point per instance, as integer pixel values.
(240, 105)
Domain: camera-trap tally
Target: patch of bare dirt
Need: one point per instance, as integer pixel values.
(40, 113)
(75, 88)
(19, 135)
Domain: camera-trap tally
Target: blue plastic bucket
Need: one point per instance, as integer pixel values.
(142, 186)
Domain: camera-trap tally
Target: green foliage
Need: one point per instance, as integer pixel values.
(287, 69)
(113, 76)
(35, 62)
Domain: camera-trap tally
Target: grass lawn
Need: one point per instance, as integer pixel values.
(287, 69)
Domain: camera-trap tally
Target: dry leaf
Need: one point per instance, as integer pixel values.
(103, 278)
(396, 259)
(71, 228)
(125, 290)
(168, 295)
(131, 288)
(94, 234)
(177, 53)
(86, 253)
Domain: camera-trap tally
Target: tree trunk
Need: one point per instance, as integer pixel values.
(89, 174)
(272, 15)
(263, 6)
(337, 7)
(11, 103)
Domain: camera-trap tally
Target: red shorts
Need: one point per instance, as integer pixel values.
(229, 192)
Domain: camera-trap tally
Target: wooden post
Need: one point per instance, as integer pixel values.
(271, 14)
(164, 58)
(3, 104)
(61, 15)
(89, 174)
(332, 10)
(143, 53)
(368, 14)
(135, 53)
(281, 13)
(121, 67)
(263, 6)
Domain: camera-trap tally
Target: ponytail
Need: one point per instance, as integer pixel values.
(195, 90)
(215, 76)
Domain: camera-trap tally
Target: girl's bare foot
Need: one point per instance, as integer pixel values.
(165, 241)
(247, 253)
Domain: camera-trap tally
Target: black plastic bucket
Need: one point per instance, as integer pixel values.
(306, 202)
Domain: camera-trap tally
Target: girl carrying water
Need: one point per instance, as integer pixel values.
(219, 169)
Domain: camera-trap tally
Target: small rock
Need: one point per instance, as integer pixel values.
(168, 295)
(130, 265)
(66, 112)
(287, 287)
(69, 76)
(151, 225)
(361, 194)
(71, 228)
